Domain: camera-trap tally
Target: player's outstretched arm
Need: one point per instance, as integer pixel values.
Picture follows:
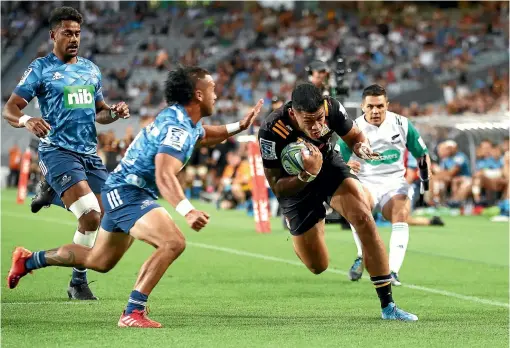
(106, 114)
(217, 134)
(167, 168)
(13, 113)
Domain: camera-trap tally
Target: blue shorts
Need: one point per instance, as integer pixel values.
(124, 206)
(63, 169)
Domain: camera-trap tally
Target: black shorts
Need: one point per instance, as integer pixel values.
(304, 210)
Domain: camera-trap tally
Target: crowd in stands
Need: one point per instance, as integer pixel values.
(394, 44)
(490, 96)
(19, 16)
(388, 49)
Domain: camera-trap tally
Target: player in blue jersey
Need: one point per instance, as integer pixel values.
(70, 96)
(150, 166)
(454, 173)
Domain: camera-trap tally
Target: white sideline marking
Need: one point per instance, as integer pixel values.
(337, 271)
(267, 258)
(70, 302)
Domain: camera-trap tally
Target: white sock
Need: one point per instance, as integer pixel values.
(357, 241)
(398, 245)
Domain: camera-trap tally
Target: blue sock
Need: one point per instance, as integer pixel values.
(79, 276)
(137, 301)
(37, 260)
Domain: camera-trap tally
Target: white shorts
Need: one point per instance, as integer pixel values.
(493, 173)
(382, 193)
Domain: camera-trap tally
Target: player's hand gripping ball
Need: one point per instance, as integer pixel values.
(292, 157)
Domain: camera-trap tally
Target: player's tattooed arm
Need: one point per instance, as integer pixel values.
(283, 186)
(106, 114)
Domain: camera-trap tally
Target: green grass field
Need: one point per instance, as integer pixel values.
(233, 287)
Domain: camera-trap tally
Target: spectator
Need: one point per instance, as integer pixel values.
(122, 77)
(235, 187)
(489, 175)
(454, 174)
(196, 172)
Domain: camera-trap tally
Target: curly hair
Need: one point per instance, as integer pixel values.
(64, 14)
(181, 82)
(306, 97)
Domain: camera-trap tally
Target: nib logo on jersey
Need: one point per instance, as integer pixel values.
(386, 157)
(79, 97)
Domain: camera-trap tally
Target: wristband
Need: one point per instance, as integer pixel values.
(184, 207)
(233, 127)
(308, 177)
(23, 120)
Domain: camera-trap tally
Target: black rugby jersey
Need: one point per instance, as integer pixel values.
(276, 132)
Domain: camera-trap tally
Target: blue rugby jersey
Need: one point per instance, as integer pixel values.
(459, 159)
(172, 133)
(489, 163)
(67, 95)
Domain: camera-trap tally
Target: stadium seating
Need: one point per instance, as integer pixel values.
(264, 54)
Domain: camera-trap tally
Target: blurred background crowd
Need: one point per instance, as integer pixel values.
(441, 60)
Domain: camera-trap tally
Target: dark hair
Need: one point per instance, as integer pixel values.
(181, 82)
(64, 14)
(306, 97)
(374, 91)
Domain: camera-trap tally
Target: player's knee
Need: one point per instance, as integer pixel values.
(361, 219)
(174, 245)
(103, 266)
(90, 221)
(400, 216)
(319, 267)
(88, 211)
(98, 263)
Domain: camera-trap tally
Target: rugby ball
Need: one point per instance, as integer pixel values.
(291, 158)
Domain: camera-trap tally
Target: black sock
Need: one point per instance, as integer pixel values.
(383, 287)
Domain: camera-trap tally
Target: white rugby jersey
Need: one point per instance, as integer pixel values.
(390, 140)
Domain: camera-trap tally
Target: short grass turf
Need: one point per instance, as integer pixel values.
(233, 287)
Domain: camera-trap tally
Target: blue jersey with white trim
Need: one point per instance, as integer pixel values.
(489, 163)
(172, 133)
(67, 95)
(459, 159)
